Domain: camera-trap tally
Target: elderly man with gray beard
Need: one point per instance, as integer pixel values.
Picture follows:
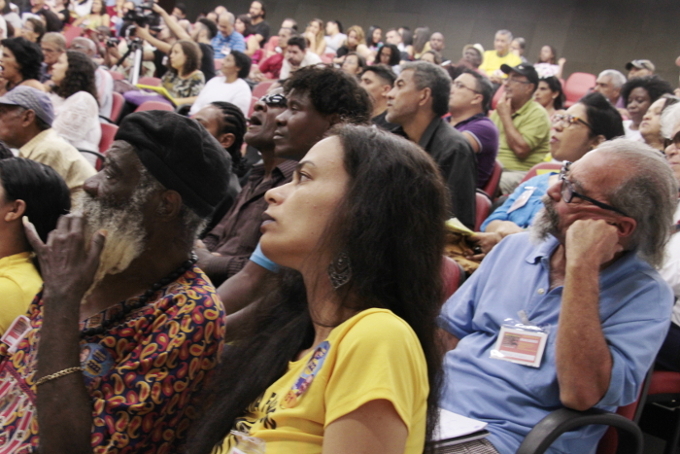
(573, 318)
(126, 328)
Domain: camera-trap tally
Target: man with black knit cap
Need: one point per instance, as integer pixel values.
(127, 326)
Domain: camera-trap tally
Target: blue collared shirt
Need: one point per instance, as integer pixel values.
(635, 307)
(234, 41)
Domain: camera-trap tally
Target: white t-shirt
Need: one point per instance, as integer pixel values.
(76, 120)
(217, 89)
(670, 270)
(630, 134)
(310, 59)
(333, 43)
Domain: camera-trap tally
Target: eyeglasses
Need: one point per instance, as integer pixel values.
(458, 84)
(675, 140)
(570, 120)
(568, 192)
(517, 81)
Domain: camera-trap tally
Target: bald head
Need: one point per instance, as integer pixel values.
(84, 45)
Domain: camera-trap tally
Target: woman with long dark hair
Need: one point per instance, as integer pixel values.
(184, 79)
(76, 109)
(549, 94)
(341, 355)
(21, 62)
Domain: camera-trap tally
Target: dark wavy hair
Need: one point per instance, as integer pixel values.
(394, 242)
(28, 55)
(233, 122)
(45, 192)
(249, 30)
(369, 36)
(38, 27)
(654, 85)
(603, 117)
(79, 76)
(193, 57)
(556, 87)
(332, 92)
(395, 55)
(243, 63)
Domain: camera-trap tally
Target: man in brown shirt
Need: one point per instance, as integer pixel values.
(227, 247)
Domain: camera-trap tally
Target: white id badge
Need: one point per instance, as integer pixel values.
(520, 346)
(522, 199)
(16, 332)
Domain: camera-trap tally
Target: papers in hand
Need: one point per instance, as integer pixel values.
(454, 429)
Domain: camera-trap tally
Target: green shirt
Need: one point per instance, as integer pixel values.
(532, 121)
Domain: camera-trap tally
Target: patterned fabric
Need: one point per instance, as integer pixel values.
(141, 374)
(183, 88)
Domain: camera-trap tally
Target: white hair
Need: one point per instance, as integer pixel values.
(617, 78)
(670, 119)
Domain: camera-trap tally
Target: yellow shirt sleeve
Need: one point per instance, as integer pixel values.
(12, 303)
(379, 358)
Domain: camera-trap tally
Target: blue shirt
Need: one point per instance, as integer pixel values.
(635, 307)
(524, 215)
(234, 41)
(258, 257)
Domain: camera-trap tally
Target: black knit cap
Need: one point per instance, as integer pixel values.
(181, 155)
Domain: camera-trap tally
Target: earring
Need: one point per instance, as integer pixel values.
(340, 271)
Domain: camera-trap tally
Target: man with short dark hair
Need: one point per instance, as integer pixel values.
(500, 55)
(226, 248)
(26, 117)
(469, 105)
(392, 36)
(227, 39)
(523, 124)
(378, 80)
(571, 316)
(179, 11)
(126, 328)
(437, 42)
(257, 13)
(297, 57)
(418, 100)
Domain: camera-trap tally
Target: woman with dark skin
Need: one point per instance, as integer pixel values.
(639, 93)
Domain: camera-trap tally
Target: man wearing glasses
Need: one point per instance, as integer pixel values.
(571, 314)
(469, 105)
(523, 124)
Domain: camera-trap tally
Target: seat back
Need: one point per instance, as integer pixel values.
(482, 208)
(154, 81)
(576, 86)
(115, 75)
(154, 105)
(253, 100)
(540, 169)
(497, 97)
(116, 106)
(492, 185)
(108, 133)
(70, 33)
(218, 64)
(453, 276)
(261, 89)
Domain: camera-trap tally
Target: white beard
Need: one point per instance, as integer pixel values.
(546, 222)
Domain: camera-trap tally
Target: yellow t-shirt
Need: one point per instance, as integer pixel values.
(19, 283)
(493, 62)
(373, 355)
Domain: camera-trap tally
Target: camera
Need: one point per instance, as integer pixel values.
(143, 15)
(112, 42)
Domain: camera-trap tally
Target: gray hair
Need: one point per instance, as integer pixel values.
(505, 32)
(670, 119)
(55, 38)
(649, 195)
(229, 16)
(617, 78)
(434, 77)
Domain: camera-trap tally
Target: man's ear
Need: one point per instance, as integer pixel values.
(169, 205)
(478, 99)
(425, 96)
(28, 117)
(226, 140)
(625, 226)
(16, 211)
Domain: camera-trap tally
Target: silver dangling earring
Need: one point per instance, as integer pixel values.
(340, 271)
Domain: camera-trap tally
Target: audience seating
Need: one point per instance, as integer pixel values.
(482, 208)
(497, 97)
(116, 106)
(218, 64)
(492, 187)
(328, 58)
(453, 276)
(540, 169)
(98, 158)
(154, 105)
(576, 86)
(271, 45)
(261, 89)
(70, 33)
(116, 75)
(155, 81)
(108, 133)
(661, 415)
(253, 100)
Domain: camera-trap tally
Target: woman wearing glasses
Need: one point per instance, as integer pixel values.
(582, 128)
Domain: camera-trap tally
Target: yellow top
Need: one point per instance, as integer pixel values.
(19, 283)
(373, 355)
(493, 62)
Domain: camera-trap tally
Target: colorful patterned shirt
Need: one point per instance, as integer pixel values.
(141, 373)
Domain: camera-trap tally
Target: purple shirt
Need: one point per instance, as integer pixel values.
(485, 133)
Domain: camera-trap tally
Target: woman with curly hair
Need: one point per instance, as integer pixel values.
(21, 62)
(183, 78)
(341, 354)
(639, 93)
(74, 97)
